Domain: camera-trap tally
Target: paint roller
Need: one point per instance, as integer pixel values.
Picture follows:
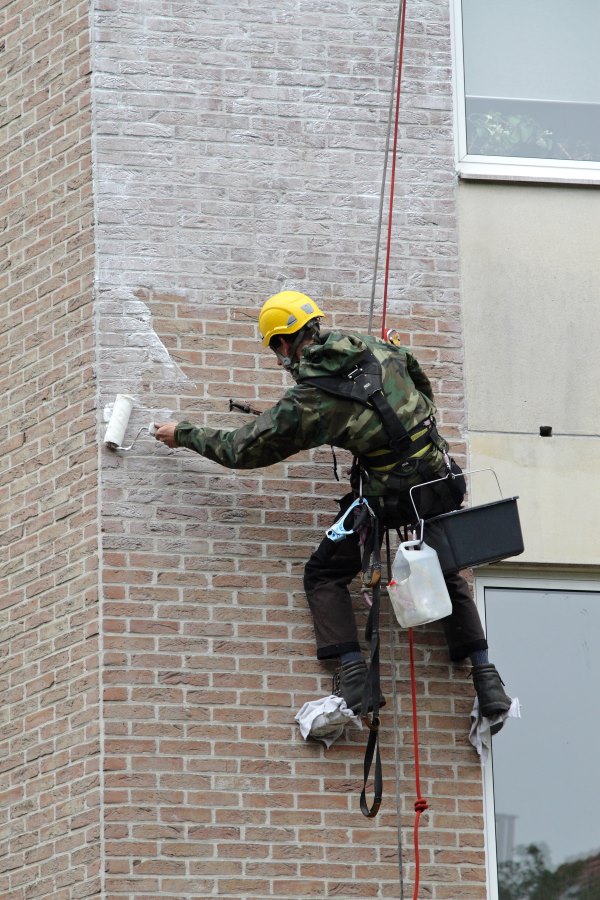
(117, 424)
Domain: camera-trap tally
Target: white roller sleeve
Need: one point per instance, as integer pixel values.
(117, 426)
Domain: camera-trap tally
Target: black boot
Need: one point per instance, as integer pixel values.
(493, 699)
(349, 683)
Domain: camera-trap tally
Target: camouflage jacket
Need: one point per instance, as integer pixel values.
(308, 417)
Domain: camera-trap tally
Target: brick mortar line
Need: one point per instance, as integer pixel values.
(96, 318)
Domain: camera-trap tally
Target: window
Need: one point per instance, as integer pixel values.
(528, 89)
(542, 823)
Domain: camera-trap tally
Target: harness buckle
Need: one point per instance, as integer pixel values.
(355, 373)
(358, 373)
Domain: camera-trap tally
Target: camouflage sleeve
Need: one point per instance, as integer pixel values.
(420, 379)
(293, 424)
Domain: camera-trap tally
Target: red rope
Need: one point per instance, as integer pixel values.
(393, 175)
(420, 804)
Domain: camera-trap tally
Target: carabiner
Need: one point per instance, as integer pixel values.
(338, 531)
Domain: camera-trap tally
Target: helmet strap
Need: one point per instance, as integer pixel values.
(298, 338)
(288, 361)
(285, 361)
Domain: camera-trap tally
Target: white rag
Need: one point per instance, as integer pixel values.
(325, 719)
(480, 734)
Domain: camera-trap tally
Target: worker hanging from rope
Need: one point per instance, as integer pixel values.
(372, 398)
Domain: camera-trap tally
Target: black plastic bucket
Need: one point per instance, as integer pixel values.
(476, 535)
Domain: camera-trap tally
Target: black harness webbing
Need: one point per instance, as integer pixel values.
(371, 690)
(364, 384)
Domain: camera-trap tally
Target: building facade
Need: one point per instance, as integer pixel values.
(167, 166)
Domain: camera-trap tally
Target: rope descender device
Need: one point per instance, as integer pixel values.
(362, 512)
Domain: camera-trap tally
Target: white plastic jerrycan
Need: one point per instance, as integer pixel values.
(417, 590)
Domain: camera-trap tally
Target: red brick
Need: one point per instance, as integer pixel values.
(196, 599)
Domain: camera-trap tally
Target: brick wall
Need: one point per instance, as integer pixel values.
(240, 151)
(49, 770)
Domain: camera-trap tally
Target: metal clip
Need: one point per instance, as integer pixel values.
(338, 530)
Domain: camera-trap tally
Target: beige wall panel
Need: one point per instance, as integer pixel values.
(531, 293)
(556, 480)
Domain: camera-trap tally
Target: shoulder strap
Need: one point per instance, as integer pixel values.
(359, 384)
(364, 384)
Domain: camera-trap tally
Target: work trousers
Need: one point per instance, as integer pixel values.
(333, 566)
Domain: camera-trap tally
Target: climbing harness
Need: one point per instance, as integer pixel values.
(364, 384)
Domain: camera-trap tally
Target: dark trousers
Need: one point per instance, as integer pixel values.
(333, 566)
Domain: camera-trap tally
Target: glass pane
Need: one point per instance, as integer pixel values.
(532, 78)
(546, 644)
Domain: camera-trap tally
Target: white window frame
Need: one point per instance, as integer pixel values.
(502, 168)
(532, 581)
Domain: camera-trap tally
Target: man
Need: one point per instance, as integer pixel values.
(373, 399)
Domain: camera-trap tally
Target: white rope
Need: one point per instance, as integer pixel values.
(385, 166)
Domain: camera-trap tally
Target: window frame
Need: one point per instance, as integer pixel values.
(502, 168)
(559, 581)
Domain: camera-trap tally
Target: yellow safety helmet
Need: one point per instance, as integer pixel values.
(286, 313)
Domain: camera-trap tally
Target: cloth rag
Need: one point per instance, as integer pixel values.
(480, 734)
(325, 719)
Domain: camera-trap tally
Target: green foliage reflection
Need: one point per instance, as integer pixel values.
(528, 876)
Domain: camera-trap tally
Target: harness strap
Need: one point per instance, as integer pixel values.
(385, 458)
(364, 384)
(371, 691)
(372, 749)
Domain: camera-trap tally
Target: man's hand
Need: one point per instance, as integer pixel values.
(165, 433)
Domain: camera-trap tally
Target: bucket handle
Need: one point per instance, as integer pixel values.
(443, 478)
